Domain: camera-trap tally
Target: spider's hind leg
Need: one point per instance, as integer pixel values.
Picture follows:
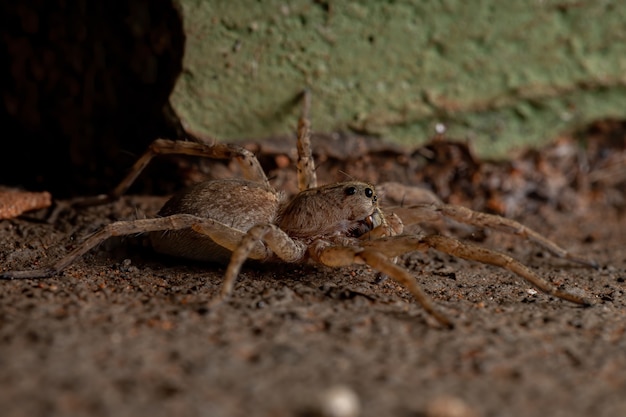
(120, 228)
(250, 166)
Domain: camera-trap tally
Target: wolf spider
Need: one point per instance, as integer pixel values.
(334, 225)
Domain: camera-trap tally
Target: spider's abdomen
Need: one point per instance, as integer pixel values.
(236, 203)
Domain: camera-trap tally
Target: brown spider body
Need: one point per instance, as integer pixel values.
(349, 210)
(226, 201)
(334, 225)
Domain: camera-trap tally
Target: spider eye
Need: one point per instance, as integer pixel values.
(350, 190)
(369, 192)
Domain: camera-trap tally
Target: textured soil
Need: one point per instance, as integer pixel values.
(123, 331)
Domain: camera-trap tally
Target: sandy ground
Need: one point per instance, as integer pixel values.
(126, 332)
(122, 332)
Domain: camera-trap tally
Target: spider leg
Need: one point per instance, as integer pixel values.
(398, 194)
(306, 164)
(249, 164)
(383, 264)
(268, 235)
(129, 227)
(396, 245)
(431, 212)
(336, 256)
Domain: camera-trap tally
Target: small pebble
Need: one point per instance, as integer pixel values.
(449, 406)
(340, 401)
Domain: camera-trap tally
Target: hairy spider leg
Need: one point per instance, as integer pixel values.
(307, 178)
(250, 166)
(222, 234)
(270, 237)
(431, 212)
(397, 245)
(338, 256)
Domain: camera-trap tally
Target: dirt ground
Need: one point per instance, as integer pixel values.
(122, 332)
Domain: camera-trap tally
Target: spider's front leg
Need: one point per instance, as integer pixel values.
(338, 256)
(397, 245)
(431, 212)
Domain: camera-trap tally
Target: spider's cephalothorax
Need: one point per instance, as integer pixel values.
(334, 225)
(347, 209)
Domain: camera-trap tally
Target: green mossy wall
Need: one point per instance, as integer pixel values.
(503, 75)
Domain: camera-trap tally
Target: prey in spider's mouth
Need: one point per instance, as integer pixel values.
(366, 225)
